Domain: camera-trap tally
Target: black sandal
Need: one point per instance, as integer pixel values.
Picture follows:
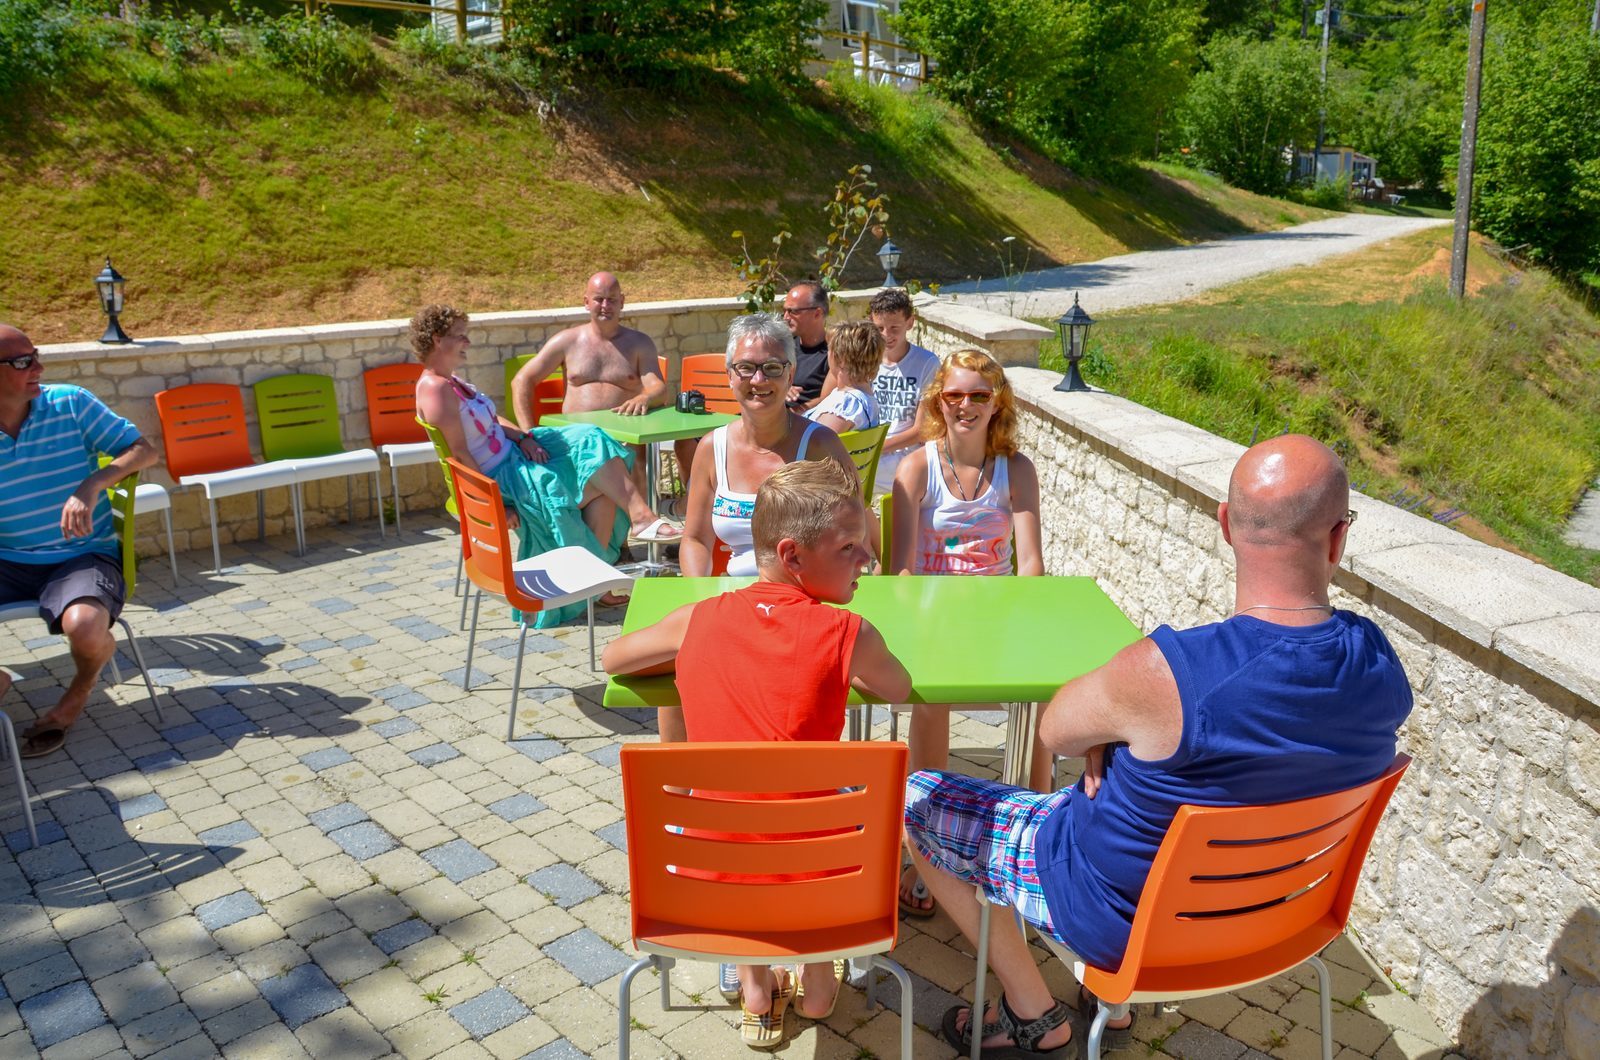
(1024, 1035)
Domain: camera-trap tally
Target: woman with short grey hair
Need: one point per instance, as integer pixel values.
(767, 328)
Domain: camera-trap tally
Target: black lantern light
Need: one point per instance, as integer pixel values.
(1074, 330)
(889, 258)
(109, 285)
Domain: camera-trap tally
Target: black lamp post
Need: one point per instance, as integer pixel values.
(109, 285)
(889, 258)
(1074, 329)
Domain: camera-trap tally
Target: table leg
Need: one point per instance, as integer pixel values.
(652, 470)
(1022, 723)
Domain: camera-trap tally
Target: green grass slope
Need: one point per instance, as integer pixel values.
(1487, 405)
(236, 195)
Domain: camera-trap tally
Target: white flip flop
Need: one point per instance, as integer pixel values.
(653, 532)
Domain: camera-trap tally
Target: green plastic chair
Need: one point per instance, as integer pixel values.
(299, 419)
(865, 447)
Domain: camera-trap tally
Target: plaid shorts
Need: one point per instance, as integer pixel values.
(982, 832)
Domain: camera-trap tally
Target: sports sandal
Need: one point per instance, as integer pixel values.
(800, 992)
(1111, 1038)
(1025, 1035)
(765, 1031)
(662, 529)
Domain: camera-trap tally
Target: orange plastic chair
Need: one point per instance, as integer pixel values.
(207, 445)
(550, 579)
(1236, 895)
(392, 422)
(548, 393)
(721, 870)
(708, 373)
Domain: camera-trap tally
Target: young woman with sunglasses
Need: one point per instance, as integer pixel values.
(965, 503)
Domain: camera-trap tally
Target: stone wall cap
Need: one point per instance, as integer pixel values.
(72, 351)
(1565, 648)
(362, 329)
(1474, 588)
(980, 323)
(231, 340)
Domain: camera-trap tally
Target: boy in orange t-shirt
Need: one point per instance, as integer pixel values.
(809, 528)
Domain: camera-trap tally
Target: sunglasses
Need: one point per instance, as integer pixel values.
(953, 398)
(1350, 516)
(748, 369)
(21, 363)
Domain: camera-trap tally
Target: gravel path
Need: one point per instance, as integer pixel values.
(1154, 276)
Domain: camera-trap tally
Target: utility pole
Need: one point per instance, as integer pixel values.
(1469, 150)
(1322, 113)
(1594, 19)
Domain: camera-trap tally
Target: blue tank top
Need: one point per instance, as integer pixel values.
(1270, 713)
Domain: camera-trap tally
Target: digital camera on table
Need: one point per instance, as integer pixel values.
(691, 401)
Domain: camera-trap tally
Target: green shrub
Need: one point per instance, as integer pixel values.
(427, 46)
(1324, 194)
(40, 41)
(180, 40)
(913, 123)
(320, 50)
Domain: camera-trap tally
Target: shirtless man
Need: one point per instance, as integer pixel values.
(607, 366)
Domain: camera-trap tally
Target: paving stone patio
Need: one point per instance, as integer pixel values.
(326, 847)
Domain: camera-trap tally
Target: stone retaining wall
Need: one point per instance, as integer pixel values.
(1482, 891)
(128, 377)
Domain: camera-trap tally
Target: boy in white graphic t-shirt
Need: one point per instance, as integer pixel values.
(901, 377)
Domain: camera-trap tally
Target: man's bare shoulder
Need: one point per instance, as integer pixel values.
(634, 342)
(1139, 679)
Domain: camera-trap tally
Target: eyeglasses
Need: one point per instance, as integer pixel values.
(22, 362)
(1350, 517)
(953, 398)
(796, 310)
(748, 369)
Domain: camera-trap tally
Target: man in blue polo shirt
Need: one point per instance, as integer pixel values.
(57, 544)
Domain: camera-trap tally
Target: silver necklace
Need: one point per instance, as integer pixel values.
(977, 487)
(1274, 607)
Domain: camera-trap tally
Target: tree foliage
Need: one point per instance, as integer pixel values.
(1252, 100)
(642, 40)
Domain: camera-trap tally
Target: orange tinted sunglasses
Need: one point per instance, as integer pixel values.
(953, 398)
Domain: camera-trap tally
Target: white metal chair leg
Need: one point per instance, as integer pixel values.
(592, 666)
(377, 494)
(172, 550)
(624, 1019)
(975, 1018)
(297, 502)
(472, 636)
(461, 562)
(466, 591)
(8, 742)
(394, 480)
(261, 515)
(1325, 997)
(216, 548)
(516, 678)
(144, 671)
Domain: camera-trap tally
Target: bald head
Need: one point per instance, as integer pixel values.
(602, 284)
(1287, 491)
(13, 343)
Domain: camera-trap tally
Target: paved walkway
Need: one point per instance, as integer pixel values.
(327, 848)
(1176, 273)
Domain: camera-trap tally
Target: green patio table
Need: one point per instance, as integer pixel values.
(657, 425)
(963, 640)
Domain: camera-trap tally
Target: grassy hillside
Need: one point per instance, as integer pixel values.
(1488, 406)
(236, 195)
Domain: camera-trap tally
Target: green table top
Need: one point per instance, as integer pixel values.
(964, 640)
(657, 425)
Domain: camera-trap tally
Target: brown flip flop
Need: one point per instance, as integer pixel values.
(39, 741)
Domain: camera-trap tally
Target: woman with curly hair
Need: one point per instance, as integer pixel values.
(959, 503)
(561, 485)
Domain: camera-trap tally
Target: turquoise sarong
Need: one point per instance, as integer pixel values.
(546, 498)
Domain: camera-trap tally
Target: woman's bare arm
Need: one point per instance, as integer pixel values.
(910, 484)
(694, 551)
(1025, 515)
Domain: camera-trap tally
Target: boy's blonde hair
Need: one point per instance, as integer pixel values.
(800, 501)
(856, 349)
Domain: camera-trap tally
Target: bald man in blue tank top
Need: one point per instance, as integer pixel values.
(1287, 698)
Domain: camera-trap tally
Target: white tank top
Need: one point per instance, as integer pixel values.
(487, 443)
(731, 512)
(964, 537)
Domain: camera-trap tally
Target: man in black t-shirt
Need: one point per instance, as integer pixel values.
(805, 310)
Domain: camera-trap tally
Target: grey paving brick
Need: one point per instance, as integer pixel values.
(302, 994)
(346, 813)
(326, 758)
(363, 840)
(409, 701)
(490, 1011)
(41, 975)
(97, 833)
(315, 644)
(291, 665)
(608, 756)
(219, 717)
(229, 909)
(392, 692)
(395, 727)
(228, 834)
(181, 734)
(560, 1049)
(379, 587)
(360, 640)
(160, 1030)
(49, 832)
(391, 940)
(516, 807)
(564, 885)
(615, 833)
(62, 1013)
(108, 950)
(434, 754)
(134, 992)
(1196, 1041)
(78, 806)
(539, 748)
(459, 860)
(478, 677)
(141, 806)
(588, 956)
(333, 605)
(426, 631)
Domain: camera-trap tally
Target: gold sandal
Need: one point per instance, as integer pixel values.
(765, 1030)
